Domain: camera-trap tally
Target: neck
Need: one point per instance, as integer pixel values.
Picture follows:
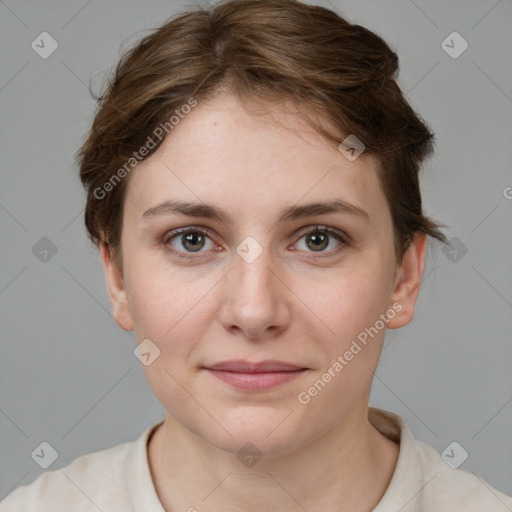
(347, 469)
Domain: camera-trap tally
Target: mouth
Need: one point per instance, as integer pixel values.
(255, 376)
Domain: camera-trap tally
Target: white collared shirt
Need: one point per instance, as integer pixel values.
(118, 479)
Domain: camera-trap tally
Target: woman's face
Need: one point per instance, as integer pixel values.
(239, 274)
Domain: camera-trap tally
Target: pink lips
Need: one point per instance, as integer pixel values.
(255, 376)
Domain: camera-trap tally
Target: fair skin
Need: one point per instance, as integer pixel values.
(298, 302)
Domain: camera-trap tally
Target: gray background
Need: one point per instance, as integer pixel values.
(68, 373)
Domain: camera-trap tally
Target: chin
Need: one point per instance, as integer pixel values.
(256, 443)
(258, 430)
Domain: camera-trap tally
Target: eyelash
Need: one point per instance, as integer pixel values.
(341, 237)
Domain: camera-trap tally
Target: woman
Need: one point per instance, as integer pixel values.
(252, 181)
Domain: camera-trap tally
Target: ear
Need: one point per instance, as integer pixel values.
(408, 281)
(116, 290)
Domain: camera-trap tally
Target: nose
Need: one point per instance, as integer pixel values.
(255, 298)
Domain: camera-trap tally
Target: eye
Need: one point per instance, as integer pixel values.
(188, 240)
(323, 239)
(191, 241)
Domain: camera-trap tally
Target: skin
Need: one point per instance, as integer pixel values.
(294, 303)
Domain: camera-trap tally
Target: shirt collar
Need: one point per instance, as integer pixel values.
(403, 492)
(139, 483)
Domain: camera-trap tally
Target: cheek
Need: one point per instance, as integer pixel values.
(351, 305)
(348, 301)
(164, 308)
(174, 315)
(352, 309)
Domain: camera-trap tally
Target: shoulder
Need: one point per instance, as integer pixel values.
(456, 489)
(424, 481)
(90, 482)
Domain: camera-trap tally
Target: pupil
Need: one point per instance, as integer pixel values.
(192, 239)
(319, 241)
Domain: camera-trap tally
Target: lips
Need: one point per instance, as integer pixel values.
(255, 376)
(241, 366)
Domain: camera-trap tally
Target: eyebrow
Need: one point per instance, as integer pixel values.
(289, 213)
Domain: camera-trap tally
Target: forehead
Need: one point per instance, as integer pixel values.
(223, 152)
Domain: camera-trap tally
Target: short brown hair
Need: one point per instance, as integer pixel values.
(260, 50)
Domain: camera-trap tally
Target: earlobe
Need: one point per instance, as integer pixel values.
(409, 277)
(116, 290)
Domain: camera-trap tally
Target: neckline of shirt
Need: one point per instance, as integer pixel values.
(404, 486)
